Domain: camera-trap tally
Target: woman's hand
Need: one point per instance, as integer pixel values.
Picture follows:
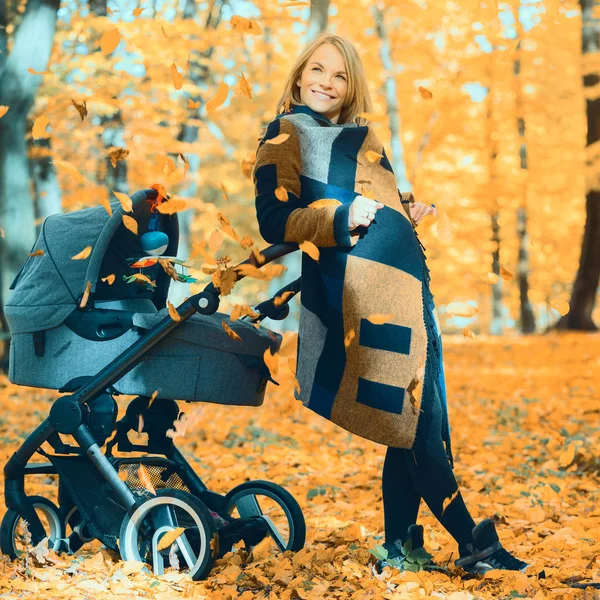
(418, 210)
(362, 212)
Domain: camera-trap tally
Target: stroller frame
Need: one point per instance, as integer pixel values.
(67, 416)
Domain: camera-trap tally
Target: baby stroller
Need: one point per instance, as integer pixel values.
(124, 341)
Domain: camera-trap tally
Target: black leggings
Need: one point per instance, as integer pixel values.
(423, 472)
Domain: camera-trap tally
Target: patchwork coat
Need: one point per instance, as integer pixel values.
(373, 379)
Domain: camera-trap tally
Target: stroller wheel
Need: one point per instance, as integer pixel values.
(269, 510)
(150, 519)
(13, 533)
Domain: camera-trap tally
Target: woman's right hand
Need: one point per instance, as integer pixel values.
(362, 212)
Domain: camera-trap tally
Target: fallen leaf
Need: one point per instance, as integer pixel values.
(567, 457)
(373, 156)
(117, 154)
(281, 193)
(169, 537)
(310, 249)
(278, 139)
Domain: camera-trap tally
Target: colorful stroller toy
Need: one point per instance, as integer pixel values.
(83, 327)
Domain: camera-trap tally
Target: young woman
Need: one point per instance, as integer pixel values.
(322, 176)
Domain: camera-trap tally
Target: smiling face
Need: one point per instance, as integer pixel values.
(324, 82)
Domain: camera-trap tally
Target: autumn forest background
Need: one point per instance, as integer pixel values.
(488, 109)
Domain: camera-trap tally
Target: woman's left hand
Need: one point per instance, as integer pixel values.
(418, 210)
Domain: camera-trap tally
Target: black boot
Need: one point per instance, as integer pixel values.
(487, 553)
(408, 554)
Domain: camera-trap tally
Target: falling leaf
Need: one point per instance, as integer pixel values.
(380, 318)
(367, 193)
(449, 500)
(468, 332)
(192, 104)
(176, 76)
(109, 41)
(461, 309)
(86, 294)
(126, 203)
(240, 23)
(117, 154)
(173, 312)
(145, 479)
(38, 130)
(139, 278)
(218, 99)
(38, 252)
(215, 240)
(425, 93)
(567, 457)
(123, 475)
(83, 254)
(562, 306)
(81, 108)
(248, 164)
(3, 110)
(281, 193)
(169, 537)
(373, 156)
(505, 273)
(106, 204)
(278, 139)
(349, 337)
(131, 224)
(243, 87)
(323, 203)
(186, 162)
(255, 28)
(153, 397)
(137, 11)
(69, 168)
(110, 279)
(280, 300)
(272, 361)
(310, 249)
(246, 242)
(30, 70)
(230, 332)
(140, 427)
(171, 206)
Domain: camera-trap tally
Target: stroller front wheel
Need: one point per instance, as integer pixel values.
(13, 532)
(172, 525)
(273, 512)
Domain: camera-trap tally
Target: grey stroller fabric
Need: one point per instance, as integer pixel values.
(198, 361)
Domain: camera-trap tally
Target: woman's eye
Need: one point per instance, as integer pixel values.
(316, 68)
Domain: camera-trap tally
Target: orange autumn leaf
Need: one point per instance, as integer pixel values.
(281, 193)
(373, 156)
(310, 249)
(176, 76)
(425, 93)
(171, 206)
(173, 312)
(192, 104)
(243, 87)
(131, 224)
(218, 99)
(109, 41)
(349, 337)
(83, 254)
(240, 23)
(248, 164)
(3, 110)
(153, 397)
(255, 28)
(86, 294)
(38, 130)
(323, 203)
(449, 500)
(67, 167)
(468, 332)
(140, 426)
(145, 479)
(168, 538)
(137, 11)
(125, 201)
(505, 274)
(567, 457)
(215, 240)
(272, 361)
(278, 139)
(230, 332)
(33, 72)
(106, 204)
(38, 252)
(110, 279)
(380, 318)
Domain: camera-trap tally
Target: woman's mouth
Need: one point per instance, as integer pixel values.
(321, 96)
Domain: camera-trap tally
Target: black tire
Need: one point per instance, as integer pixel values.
(295, 518)
(12, 519)
(138, 528)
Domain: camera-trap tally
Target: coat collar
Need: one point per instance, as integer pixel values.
(303, 108)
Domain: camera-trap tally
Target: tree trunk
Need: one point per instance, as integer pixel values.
(527, 318)
(583, 294)
(31, 48)
(318, 19)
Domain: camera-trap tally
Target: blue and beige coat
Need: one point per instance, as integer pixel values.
(375, 380)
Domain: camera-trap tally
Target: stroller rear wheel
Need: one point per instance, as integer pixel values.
(269, 510)
(152, 518)
(13, 532)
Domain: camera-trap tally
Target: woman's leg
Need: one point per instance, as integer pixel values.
(401, 500)
(432, 476)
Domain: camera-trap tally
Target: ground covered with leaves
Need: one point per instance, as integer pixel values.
(525, 422)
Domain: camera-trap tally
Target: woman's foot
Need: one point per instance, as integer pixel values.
(408, 554)
(487, 553)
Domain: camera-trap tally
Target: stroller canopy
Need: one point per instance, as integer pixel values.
(51, 284)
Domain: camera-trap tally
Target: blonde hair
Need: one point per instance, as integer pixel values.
(357, 99)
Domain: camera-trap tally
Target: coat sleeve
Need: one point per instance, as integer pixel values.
(278, 167)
